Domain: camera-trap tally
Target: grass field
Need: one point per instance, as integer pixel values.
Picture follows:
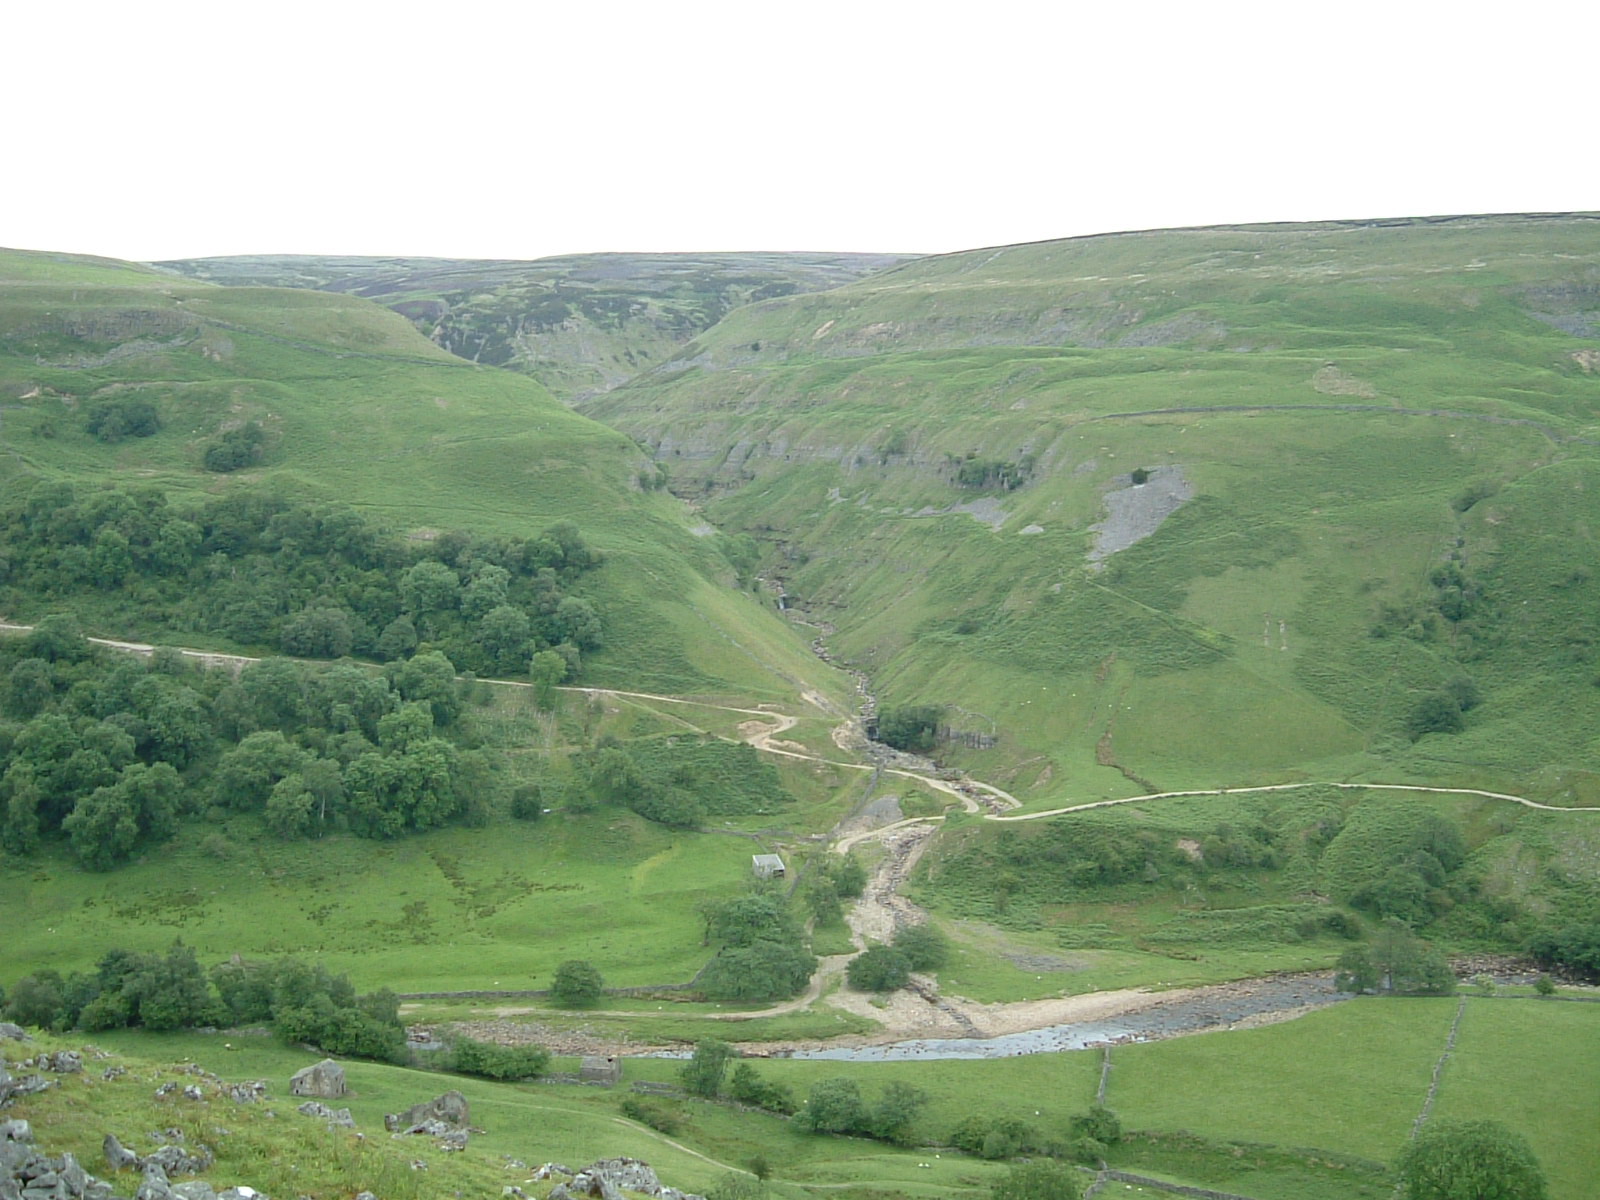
(1535, 1066)
(1349, 1079)
(450, 911)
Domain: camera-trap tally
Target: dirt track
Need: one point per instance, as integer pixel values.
(921, 1012)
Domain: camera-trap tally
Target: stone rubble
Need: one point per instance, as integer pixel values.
(26, 1173)
(335, 1117)
(607, 1178)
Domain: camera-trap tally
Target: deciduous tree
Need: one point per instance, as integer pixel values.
(1469, 1160)
(702, 1075)
(577, 984)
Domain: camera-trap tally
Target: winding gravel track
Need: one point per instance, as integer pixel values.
(880, 906)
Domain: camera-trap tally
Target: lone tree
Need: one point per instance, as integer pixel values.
(702, 1075)
(1470, 1160)
(834, 1106)
(577, 984)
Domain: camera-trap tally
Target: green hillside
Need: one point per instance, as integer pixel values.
(580, 324)
(1311, 507)
(350, 405)
(1189, 508)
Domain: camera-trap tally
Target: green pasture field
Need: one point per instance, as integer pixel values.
(453, 910)
(1352, 1078)
(1349, 1078)
(1340, 1086)
(1535, 1065)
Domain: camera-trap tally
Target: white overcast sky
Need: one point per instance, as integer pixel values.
(165, 129)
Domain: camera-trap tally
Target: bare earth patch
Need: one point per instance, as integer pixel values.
(1331, 381)
(1134, 512)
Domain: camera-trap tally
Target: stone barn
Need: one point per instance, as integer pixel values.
(600, 1068)
(324, 1079)
(767, 866)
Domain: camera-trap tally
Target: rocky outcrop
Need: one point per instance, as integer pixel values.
(607, 1179)
(170, 1159)
(62, 1062)
(27, 1172)
(333, 1116)
(118, 1156)
(449, 1110)
(12, 1086)
(324, 1080)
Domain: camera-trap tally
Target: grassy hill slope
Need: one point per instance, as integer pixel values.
(580, 323)
(1197, 507)
(355, 406)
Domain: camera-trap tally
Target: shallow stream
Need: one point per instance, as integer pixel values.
(1214, 1008)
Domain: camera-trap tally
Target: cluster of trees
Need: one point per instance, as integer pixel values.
(1469, 1160)
(839, 877)
(913, 728)
(235, 449)
(836, 1106)
(1043, 1179)
(304, 1002)
(1406, 869)
(991, 474)
(1443, 710)
(112, 752)
(1457, 609)
(1395, 960)
(122, 417)
(160, 992)
(168, 991)
(761, 948)
(490, 1060)
(1089, 1137)
(706, 1075)
(312, 579)
(1573, 948)
(996, 1138)
(883, 968)
(1458, 615)
(679, 781)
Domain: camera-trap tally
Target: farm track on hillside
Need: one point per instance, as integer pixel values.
(921, 1012)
